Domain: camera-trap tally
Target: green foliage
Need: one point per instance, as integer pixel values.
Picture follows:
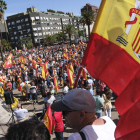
(69, 29)
(52, 11)
(81, 33)
(50, 38)
(87, 18)
(3, 6)
(6, 45)
(28, 42)
(61, 36)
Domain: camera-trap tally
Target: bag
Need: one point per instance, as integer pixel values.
(82, 135)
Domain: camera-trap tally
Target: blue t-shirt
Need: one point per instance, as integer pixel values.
(99, 103)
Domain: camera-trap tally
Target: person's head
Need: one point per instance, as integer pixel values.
(18, 105)
(98, 92)
(78, 107)
(108, 94)
(49, 95)
(28, 130)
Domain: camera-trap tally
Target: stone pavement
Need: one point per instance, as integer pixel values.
(5, 113)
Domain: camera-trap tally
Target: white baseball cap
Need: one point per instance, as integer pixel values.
(76, 99)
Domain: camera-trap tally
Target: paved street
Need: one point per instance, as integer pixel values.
(5, 113)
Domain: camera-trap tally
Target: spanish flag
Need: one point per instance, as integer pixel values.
(83, 73)
(39, 59)
(22, 66)
(34, 63)
(70, 51)
(65, 55)
(8, 63)
(19, 86)
(45, 71)
(10, 56)
(55, 84)
(113, 56)
(70, 77)
(71, 67)
(48, 119)
(30, 57)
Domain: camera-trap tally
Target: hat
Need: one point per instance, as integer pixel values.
(76, 99)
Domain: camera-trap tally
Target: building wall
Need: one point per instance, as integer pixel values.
(37, 25)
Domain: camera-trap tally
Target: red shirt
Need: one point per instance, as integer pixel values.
(59, 125)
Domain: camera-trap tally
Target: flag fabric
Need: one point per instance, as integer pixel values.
(39, 59)
(8, 64)
(83, 73)
(55, 84)
(22, 66)
(70, 77)
(65, 55)
(45, 71)
(16, 101)
(48, 119)
(30, 57)
(13, 61)
(71, 67)
(19, 86)
(10, 56)
(1, 79)
(113, 56)
(34, 63)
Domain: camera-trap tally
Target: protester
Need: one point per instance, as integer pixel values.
(65, 89)
(89, 88)
(107, 103)
(78, 107)
(99, 103)
(20, 113)
(28, 130)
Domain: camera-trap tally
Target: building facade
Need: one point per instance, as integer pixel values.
(37, 25)
(89, 7)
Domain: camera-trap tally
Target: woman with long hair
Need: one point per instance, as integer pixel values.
(107, 103)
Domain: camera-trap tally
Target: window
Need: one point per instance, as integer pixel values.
(24, 31)
(19, 27)
(22, 20)
(27, 24)
(51, 27)
(26, 19)
(43, 28)
(18, 21)
(37, 17)
(44, 33)
(16, 37)
(32, 18)
(40, 34)
(10, 28)
(35, 34)
(20, 32)
(41, 18)
(33, 23)
(13, 23)
(29, 34)
(46, 28)
(8, 23)
(34, 29)
(25, 35)
(12, 38)
(38, 22)
(39, 28)
(15, 33)
(21, 37)
(23, 25)
(28, 30)
(48, 24)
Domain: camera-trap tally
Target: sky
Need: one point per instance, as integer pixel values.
(19, 6)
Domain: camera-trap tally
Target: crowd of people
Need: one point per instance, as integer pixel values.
(26, 72)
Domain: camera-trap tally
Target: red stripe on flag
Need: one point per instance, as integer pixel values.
(137, 44)
(136, 38)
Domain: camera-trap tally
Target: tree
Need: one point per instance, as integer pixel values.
(69, 29)
(3, 7)
(50, 38)
(28, 43)
(61, 36)
(87, 18)
(6, 45)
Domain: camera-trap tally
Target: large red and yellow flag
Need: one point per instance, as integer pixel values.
(48, 120)
(55, 84)
(83, 73)
(10, 56)
(65, 55)
(113, 56)
(19, 86)
(8, 63)
(22, 66)
(71, 67)
(45, 71)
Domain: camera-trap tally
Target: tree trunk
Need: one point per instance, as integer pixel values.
(1, 47)
(88, 31)
(70, 38)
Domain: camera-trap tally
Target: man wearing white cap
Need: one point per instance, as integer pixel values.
(78, 107)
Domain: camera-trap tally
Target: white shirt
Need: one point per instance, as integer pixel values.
(20, 113)
(66, 89)
(49, 101)
(97, 132)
